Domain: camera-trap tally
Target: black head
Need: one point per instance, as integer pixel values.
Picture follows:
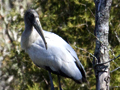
(31, 19)
(30, 16)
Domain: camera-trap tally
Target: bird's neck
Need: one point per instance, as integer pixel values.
(28, 37)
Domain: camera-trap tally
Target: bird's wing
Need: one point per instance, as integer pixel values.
(65, 50)
(57, 39)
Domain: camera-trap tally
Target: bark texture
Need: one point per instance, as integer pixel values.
(102, 49)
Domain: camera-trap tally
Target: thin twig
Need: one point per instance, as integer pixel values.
(114, 57)
(117, 37)
(114, 69)
(114, 87)
(86, 51)
(93, 34)
(7, 33)
(91, 12)
(45, 80)
(107, 61)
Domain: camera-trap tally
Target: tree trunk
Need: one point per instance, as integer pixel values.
(102, 49)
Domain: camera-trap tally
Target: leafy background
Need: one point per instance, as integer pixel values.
(74, 21)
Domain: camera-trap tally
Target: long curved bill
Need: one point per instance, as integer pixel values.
(39, 29)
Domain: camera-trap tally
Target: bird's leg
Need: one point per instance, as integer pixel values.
(51, 82)
(59, 82)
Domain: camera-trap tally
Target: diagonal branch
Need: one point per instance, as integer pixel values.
(107, 61)
(115, 69)
(87, 52)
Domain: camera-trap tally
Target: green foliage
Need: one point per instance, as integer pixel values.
(73, 20)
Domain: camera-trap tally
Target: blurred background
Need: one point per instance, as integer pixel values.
(74, 21)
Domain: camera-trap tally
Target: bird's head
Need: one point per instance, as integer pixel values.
(31, 18)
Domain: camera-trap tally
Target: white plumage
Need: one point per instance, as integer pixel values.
(51, 53)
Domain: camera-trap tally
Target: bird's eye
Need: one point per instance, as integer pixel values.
(31, 18)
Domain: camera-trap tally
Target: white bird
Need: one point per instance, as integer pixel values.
(49, 51)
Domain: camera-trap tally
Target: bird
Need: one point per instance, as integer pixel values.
(49, 51)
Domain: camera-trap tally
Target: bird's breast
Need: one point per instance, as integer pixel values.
(29, 36)
(39, 55)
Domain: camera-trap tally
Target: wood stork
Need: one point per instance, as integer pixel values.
(49, 51)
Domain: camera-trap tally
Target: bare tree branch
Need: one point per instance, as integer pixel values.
(7, 33)
(117, 37)
(107, 61)
(87, 52)
(114, 69)
(112, 87)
